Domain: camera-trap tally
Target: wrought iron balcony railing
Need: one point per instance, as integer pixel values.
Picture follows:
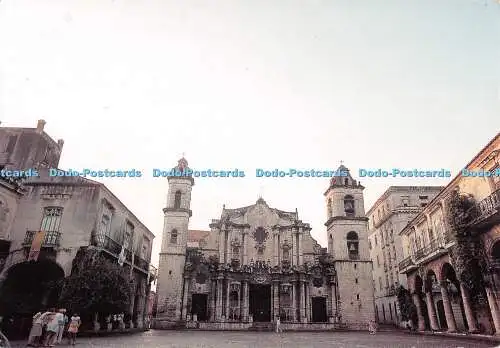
(115, 248)
(405, 263)
(51, 239)
(488, 206)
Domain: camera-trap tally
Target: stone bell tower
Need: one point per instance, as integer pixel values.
(347, 234)
(173, 248)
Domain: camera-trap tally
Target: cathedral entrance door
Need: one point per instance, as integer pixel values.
(319, 310)
(199, 306)
(260, 302)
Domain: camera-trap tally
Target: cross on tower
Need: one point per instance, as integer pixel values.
(261, 189)
(341, 162)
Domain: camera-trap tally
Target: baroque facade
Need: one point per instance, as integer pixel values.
(75, 214)
(259, 263)
(392, 211)
(452, 252)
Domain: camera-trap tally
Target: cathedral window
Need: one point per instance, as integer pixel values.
(236, 251)
(349, 205)
(177, 200)
(173, 237)
(353, 245)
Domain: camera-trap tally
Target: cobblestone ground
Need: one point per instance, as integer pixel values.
(212, 339)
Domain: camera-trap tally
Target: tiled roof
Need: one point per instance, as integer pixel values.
(197, 235)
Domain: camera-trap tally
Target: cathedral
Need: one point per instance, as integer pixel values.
(257, 264)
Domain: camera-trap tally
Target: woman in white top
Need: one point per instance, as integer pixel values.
(36, 330)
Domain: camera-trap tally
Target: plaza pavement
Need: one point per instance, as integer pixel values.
(238, 339)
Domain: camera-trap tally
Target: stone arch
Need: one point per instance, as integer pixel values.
(30, 286)
(494, 250)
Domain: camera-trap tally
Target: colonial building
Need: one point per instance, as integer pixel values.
(75, 214)
(258, 263)
(452, 251)
(392, 211)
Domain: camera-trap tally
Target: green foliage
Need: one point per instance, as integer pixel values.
(97, 285)
(406, 306)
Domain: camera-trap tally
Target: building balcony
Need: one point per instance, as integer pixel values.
(407, 265)
(114, 249)
(488, 210)
(50, 240)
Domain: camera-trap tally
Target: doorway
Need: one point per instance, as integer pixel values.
(199, 306)
(318, 305)
(260, 302)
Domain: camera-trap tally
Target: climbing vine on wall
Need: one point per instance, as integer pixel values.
(467, 254)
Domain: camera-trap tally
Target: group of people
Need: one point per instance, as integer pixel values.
(48, 328)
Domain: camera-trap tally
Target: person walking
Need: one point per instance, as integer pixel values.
(74, 325)
(36, 330)
(62, 319)
(52, 327)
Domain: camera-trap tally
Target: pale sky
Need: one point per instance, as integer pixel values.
(253, 84)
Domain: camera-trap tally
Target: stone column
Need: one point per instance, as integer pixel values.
(211, 298)
(308, 303)
(294, 301)
(229, 251)
(493, 309)
(222, 236)
(228, 289)
(469, 314)
(218, 309)
(301, 252)
(448, 311)
(245, 301)
(276, 299)
(334, 299)
(418, 304)
(431, 310)
(185, 299)
(302, 301)
(293, 256)
(276, 248)
(245, 247)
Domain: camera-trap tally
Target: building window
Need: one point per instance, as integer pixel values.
(353, 245)
(236, 252)
(380, 283)
(346, 181)
(330, 211)
(423, 204)
(357, 297)
(405, 201)
(376, 243)
(378, 261)
(370, 244)
(349, 205)
(173, 237)
(286, 254)
(51, 221)
(145, 248)
(356, 280)
(105, 225)
(177, 200)
(423, 197)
